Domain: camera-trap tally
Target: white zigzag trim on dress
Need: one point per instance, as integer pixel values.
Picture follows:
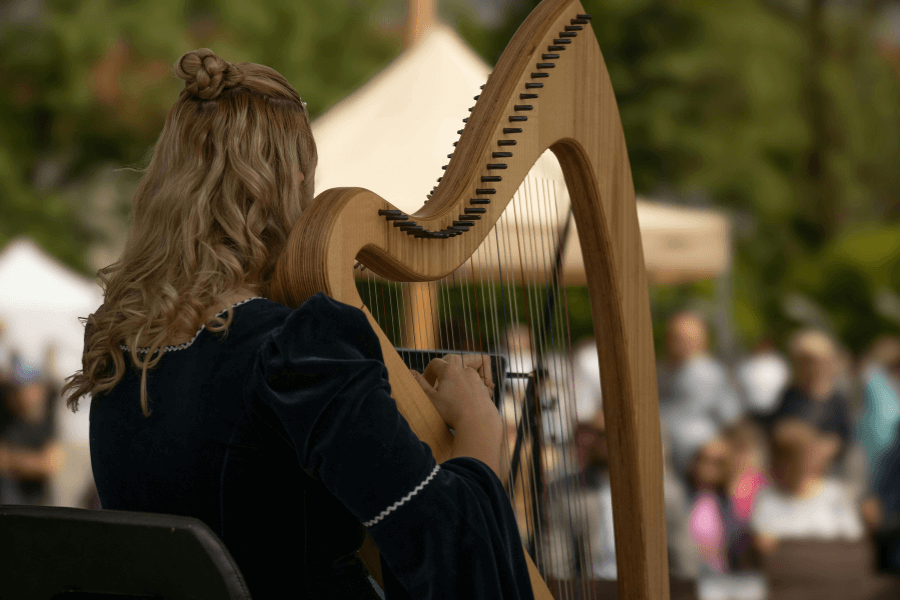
(398, 503)
(143, 350)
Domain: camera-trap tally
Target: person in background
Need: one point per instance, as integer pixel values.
(516, 346)
(587, 537)
(586, 369)
(801, 503)
(813, 395)
(761, 378)
(698, 457)
(29, 451)
(881, 509)
(6, 356)
(692, 383)
(878, 432)
(684, 562)
(582, 541)
(747, 478)
(877, 428)
(710, 522)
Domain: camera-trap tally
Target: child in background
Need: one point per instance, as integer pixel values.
(683, 557)
(802, 503)
(709, 519)
(746, 441)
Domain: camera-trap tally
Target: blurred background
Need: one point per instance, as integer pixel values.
(764, 140)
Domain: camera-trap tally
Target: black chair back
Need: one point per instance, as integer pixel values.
(77, 554)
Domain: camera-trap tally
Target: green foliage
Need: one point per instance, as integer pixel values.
(848, 278)
(88, 85)
(785, 114)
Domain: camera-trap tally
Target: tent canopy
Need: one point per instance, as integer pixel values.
(41, 302)
(393, 134)
(40, 306)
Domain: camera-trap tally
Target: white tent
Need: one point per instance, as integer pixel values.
(40, 303)
(392, 136)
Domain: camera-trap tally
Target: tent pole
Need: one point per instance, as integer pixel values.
(420, 15)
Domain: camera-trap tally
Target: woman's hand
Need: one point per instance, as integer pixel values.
(460, 387)
(455, 386)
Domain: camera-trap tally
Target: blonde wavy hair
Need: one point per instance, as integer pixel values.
(210, 216)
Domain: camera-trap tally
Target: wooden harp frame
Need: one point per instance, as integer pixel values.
(575, 115)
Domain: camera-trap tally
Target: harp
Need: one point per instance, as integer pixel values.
(549, 90)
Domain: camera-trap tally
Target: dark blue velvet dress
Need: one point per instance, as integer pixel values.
(283, 438)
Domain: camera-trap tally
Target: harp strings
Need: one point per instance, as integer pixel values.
(550, 400)
(539, 472)
(561, 349)
(508, 298)
(523, 471)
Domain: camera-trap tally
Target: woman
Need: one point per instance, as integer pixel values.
(814, 395)
(877, 427)
(709, 519)
(280, 434)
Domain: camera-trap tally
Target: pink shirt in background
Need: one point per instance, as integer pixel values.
(708, 531)
(743, 498)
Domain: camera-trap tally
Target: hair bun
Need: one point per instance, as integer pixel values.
(206, 75)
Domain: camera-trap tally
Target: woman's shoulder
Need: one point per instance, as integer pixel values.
(320, 326)
(317, 309)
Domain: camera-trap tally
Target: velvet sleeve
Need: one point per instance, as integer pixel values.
(444, 531)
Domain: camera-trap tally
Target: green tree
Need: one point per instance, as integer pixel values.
(88, 85)
(786, 115)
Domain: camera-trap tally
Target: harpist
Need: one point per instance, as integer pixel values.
(276, 427)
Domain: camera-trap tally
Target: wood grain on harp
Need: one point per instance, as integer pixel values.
(550, 89)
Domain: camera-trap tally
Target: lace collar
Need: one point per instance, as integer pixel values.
(187, 344)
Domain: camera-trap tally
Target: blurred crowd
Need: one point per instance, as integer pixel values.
(30, 451)
(797, 447)
(776, 448)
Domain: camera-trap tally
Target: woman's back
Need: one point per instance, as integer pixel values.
(284, 439)
(206, 452)
(281, 435)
